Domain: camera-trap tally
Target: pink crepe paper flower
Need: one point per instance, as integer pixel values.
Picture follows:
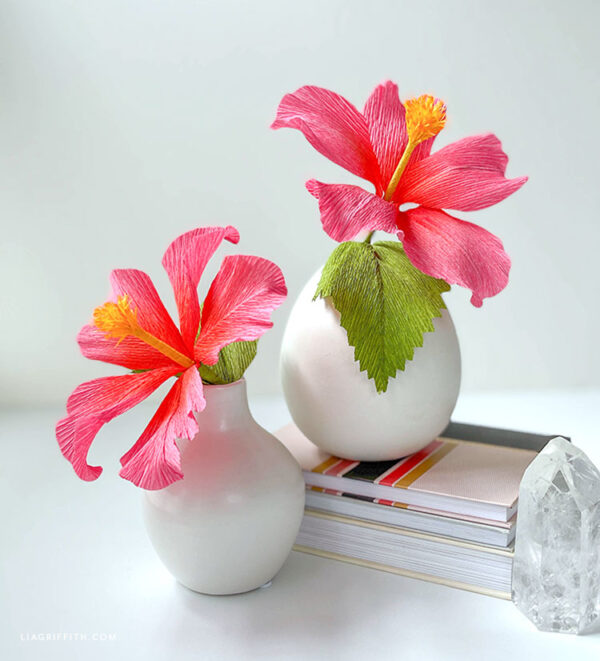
(389, 144)
(134, 330)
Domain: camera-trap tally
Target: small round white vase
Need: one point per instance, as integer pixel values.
(337, 407)
(230, 523)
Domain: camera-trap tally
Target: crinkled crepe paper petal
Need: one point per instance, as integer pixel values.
(333, 126)
(421, 151)
(129, 352)
(346, 210)
(456, 251)
(184, 261)
(239, 303)
(154, 461)
(93, 404)
(466, 175)
(151, 314)
(384, 114)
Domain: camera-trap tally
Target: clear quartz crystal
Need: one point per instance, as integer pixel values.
(556, 571)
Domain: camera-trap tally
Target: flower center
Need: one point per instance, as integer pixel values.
(425, 117)
(119, 320)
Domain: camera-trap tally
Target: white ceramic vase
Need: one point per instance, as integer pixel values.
(230, 523)
(338, 408)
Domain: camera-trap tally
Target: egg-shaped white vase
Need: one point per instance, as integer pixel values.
(230, 523)
(337, 406)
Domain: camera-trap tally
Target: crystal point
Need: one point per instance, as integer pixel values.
(556, 570)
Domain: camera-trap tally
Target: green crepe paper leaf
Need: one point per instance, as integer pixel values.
(234, 360)
(385, 304)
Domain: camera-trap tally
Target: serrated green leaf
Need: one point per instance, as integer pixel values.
(234, 360)
(385, 304)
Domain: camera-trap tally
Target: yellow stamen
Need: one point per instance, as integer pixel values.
(425, 117)
(119, 320)
(116, 319)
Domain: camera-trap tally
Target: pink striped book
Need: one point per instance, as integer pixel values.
(461, 478)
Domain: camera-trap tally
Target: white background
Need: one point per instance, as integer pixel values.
(124, 124)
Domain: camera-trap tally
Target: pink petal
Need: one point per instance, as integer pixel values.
(128, 352)
(239, 303)
(456, 251)
(74, 436)
(154, 461)
(346, 210)
(333, 126)
(422, 150)
(387, 129)
(93, 404)
(466, 175)
(151, 313)
(184, 261)
(384, 113)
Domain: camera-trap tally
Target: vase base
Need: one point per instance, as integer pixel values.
(218, 593)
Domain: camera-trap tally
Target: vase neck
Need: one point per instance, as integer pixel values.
(226, 406)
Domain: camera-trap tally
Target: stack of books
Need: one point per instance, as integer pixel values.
(444, 514)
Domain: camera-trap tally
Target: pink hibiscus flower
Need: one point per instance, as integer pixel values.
(389, 144)
(134, 330)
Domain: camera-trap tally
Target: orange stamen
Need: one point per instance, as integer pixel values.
(116, 319)
(425, 117)
(119, 320)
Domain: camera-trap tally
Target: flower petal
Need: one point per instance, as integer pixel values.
(333, 126)
(129, 352)
(466, 175)
(384, 113)
(422, 150)
(456, 251)
(184, 261)
(346, 210)
(154, 461)
(93, 404)
(151, 313)
(239, 303)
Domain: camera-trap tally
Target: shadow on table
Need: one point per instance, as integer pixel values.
(311, 599)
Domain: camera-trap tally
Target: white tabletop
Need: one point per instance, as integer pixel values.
(79, 579)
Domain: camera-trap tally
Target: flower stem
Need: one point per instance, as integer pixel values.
(369, 237)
